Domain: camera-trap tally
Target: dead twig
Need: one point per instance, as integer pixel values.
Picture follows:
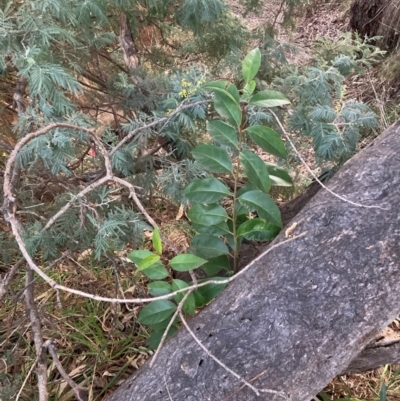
(80, 392)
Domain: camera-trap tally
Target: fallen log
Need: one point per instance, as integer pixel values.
(303, 311)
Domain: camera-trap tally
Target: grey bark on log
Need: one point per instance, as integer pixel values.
(374, 357)
(304, 311)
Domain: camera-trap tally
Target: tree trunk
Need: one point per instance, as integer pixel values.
(131, 55)
(377, 18)
(303, 312)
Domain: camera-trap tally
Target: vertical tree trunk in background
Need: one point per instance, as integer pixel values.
(131, 55)
(304, 311)
(377, 18)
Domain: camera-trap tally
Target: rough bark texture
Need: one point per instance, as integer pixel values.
(365, 16)
(373, 358)
(131, 55)
(377, 18)
(303, 312)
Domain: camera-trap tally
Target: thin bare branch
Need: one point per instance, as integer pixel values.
(155, 123)
(80, 392)
(313, 174)
(213, 357)
(36, 327)
(6, 280)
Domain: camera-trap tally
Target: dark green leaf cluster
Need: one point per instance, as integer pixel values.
(157, 315)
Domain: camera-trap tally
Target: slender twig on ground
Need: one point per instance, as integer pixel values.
(80, 392)
(36, 327)
(6, 280)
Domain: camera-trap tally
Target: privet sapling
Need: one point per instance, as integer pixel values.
(221, 226)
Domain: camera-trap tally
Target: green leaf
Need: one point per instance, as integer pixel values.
(156, 336)
(267, 139)
(269, 99)
(213, 159)
(256, 170)
(234, 92)
(215, 85)
(279, 177)
(248, 90)
(226, 101)
(207, 215)
(137, 256)
(157, 243)
(224, 86)
(186, 262)
(206, 294)
(208, 246)
(214, 265)
(258, 230)
(190, 304)
(158, 288)
(383, 392)
(226, 106)
(207, 190)
(223, 133)
(156, 272)
(251, 64)
(263, 204)
(156, 312)
(147, 262)
(216, 230)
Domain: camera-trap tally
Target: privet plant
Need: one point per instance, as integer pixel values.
(222, 216)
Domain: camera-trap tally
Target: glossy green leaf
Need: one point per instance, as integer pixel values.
(217, 230)
(267, 139)
(256, 170)
(208, 246)
(207, 190)
(215, 265)
(223, 133)
(186, 262)
(206, 294)
(156, 272)
(226, 106)
(190, 304)
(148, 261)
(251, 64)
(207, 215)
(258, 230)
(279, 177)
(157, 243)
(156, 336)
(156, 312)
(137, 256)
(269, 99)
(233, 91)
(226, 101)
(158, 288)
(263, 204)
(248, 90)
(213, 159)
(215, 85)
